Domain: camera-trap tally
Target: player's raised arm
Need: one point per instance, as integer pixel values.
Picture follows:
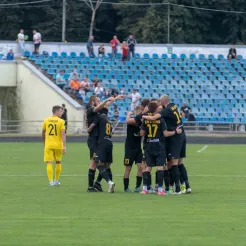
(155, 117)
(103, 104)
(129, 120)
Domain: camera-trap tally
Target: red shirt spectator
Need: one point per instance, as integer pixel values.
(114, 43)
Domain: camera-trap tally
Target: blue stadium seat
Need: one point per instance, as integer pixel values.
(164, 56)
(146, 56)
(192, 56)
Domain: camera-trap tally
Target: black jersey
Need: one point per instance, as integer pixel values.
(104, 128)
(172, 117)
(133, 138)
(91, 117)
(138, 120)
(154, 132)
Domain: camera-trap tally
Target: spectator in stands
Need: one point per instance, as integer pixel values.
(131, 42)
(75, 85)
(124, 48)
(122, 90)
(90, 47)
(10, 56)
(108, 93)
(186, 112)
(64, 115)
(60, 79)
(115, 91)
(135, 96)
(36, 40)
(73, 75)
(99, 90)
(21, 41)
(101, 50)
(95, 82)
(232, 53)
(85, 85)
(114, 44)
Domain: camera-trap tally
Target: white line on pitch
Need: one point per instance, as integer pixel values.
(121, 175)
(202, 149)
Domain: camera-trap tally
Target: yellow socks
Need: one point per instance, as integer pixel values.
(58, 171)
(50, 172)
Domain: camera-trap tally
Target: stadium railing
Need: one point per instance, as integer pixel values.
(79, 128)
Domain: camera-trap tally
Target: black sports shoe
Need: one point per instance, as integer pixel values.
(91, 189)
(98, 187)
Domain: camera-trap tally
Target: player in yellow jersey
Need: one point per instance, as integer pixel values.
(54, 136)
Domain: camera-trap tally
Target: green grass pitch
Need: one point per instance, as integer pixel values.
(33, 214)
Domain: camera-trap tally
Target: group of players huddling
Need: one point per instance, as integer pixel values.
(164, 146)
(157, 121)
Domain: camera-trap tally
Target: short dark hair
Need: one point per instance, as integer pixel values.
(63, 105)
(145, 102)
(92, 98)
(56, 108)
(153, 99)
(152, 107)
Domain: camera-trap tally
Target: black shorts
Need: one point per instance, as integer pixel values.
(36, 46)
(92, 145)
(155, 159)
(104, 152)
(132, 155)
(176, 146)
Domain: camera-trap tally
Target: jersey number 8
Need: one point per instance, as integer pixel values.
(108, 129)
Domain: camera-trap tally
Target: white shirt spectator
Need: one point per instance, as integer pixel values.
(99, 91)
(135, 100)
(73, 75)
(21, 37)
(37, 38)
(21, 41)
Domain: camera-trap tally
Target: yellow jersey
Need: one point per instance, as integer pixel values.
(53, 136)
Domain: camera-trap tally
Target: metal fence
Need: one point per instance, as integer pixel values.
(79, 128)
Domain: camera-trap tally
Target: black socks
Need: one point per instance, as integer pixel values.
(91, 177)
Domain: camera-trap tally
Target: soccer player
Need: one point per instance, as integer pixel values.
(176, 145)
(92, 113)
(155, 150)
(104, 150)
(133, 152)
(54, 137)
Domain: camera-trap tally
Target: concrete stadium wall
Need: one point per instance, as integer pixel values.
(8, 75)
(37, 96)
(141, 48)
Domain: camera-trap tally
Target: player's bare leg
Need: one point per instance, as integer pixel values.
(185, 187)
(139, 178)
(49, 169)
(126, 178)
(57, 173)
(176, 176)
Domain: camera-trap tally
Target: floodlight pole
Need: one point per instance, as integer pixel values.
(168, 23)
(64, 12)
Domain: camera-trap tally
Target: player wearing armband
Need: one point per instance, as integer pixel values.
(54, 137)
(176, 145)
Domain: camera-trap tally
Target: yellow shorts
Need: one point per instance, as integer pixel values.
(52, 155)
